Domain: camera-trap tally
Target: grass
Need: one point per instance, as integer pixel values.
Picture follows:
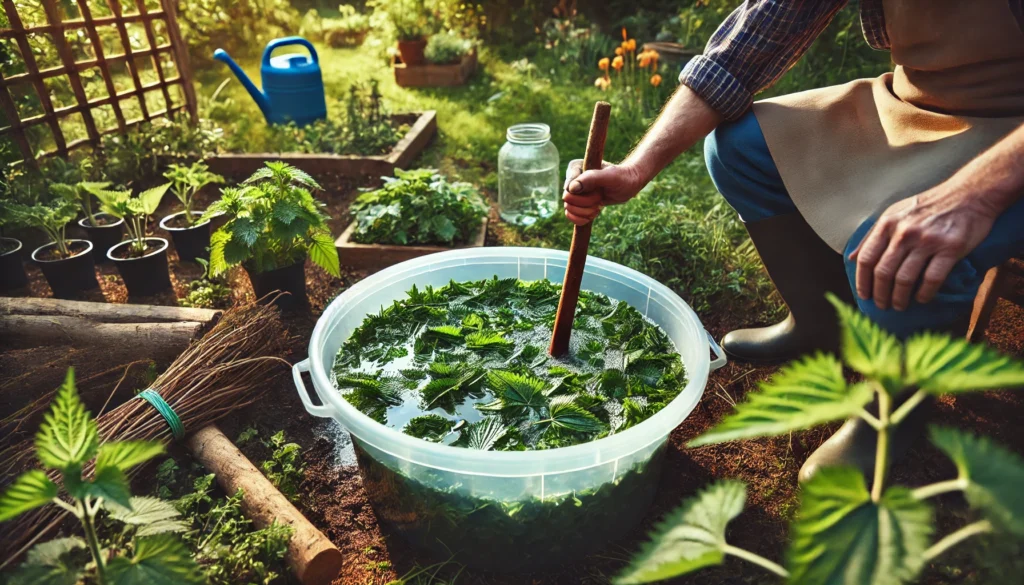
(679, 230)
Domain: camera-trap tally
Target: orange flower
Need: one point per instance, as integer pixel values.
(655, 80)
(644, 58)
(630, 45)
(603, 64)
(618, 50)
(624, 35)
(617, 63)
(602, 83)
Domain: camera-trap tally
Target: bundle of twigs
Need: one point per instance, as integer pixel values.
(227, 369)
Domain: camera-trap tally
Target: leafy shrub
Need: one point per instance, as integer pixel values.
(366, 128)
(285, 467)
(207, 292)
(447, 48)
(52, 218)
(242, 27)
(409, 19)
(137, 155)
(346, 29)
(273, 221)
(66, 443)
(877, 534)
(135, 212)
(418, 207)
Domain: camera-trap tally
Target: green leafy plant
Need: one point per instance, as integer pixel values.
(850, 530)
(52, 218)
(93, 476)
(285, 467)
(483, 380)
(82, 192)
(138, 154)
(447, 48)
(273, 221)
(410, 19)
(348, 28)
(207, 292)
(418, 207)
(135, 211)
(186, 181)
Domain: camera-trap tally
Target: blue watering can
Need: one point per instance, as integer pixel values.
(293, 87)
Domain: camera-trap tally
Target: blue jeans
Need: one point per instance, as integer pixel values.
(743, 171)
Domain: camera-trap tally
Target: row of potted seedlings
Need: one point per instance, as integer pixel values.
(272, 223)
(69, 264)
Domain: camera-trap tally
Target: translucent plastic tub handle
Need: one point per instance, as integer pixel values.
(321, 411)
(716, 349)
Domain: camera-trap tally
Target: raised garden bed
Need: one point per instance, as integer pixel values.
(374, 257)
(423, 126)
(431, 75)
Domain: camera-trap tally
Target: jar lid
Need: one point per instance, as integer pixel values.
(533, 133)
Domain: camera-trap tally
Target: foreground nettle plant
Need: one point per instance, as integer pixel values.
(67, 446)
(847, 532)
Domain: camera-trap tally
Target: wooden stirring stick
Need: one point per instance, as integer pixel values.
(580, 239)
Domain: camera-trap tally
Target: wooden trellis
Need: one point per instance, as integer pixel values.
(18, 127)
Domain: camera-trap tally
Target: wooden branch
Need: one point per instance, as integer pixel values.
(311, 555)
(43, 330)
(104, 312)
(593, 159)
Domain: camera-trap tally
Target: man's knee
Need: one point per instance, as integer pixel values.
(728, 149)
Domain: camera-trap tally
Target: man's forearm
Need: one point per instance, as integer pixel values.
(996, 176)
(685, 119)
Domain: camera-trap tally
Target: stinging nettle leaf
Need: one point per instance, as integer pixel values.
(867, 348)
(57, 562)
(127, 454)
(485, 434)
(994, 475)
(29, 491)
(158, 560)
(802, 395)
(690, 537)
(517, 389)
(566, 414)
(940, 364)
(841, 537)
(111, 485)
(68, 435)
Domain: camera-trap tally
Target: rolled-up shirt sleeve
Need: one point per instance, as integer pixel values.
(753, 48)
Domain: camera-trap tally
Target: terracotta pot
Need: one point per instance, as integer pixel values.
(147, 275)
(103, 237)
(12, 269)
(412, 52)
(68, 276)
(191, 242)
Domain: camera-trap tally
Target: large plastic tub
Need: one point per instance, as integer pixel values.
(508, 511)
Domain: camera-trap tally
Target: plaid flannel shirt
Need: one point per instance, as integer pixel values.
(762, 39)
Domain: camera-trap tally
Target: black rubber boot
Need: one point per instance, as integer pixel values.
(803, 268)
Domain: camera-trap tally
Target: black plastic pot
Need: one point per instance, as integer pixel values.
(143, 276)
(190, 242)
(290, 279)
(68, 277)
(12, 267)
(103, 237)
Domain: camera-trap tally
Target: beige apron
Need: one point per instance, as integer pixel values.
(846, 153)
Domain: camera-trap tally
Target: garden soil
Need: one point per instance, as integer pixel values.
(333, 498)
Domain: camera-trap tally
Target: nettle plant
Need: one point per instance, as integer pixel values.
(93, 476)
(186, 181)
(273, 221)
(418, 207)
(82, 192)
(135, 212)
(51, 217)
(847, 531)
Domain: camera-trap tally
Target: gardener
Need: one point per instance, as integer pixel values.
(913, 180)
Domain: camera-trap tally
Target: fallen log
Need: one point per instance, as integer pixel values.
(312, 557)
(104, 312)
(150, 339)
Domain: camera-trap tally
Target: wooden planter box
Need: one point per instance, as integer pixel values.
(422, 129)
(435, 75)
(374, 257)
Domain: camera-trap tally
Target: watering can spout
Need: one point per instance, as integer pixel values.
(257, 95)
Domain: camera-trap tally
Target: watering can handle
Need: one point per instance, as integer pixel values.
(286, 41)
(322, 411)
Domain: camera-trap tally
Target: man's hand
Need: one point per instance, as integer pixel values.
(586, 193)
(920, 239)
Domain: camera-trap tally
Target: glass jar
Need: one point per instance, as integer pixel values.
(528, 175)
